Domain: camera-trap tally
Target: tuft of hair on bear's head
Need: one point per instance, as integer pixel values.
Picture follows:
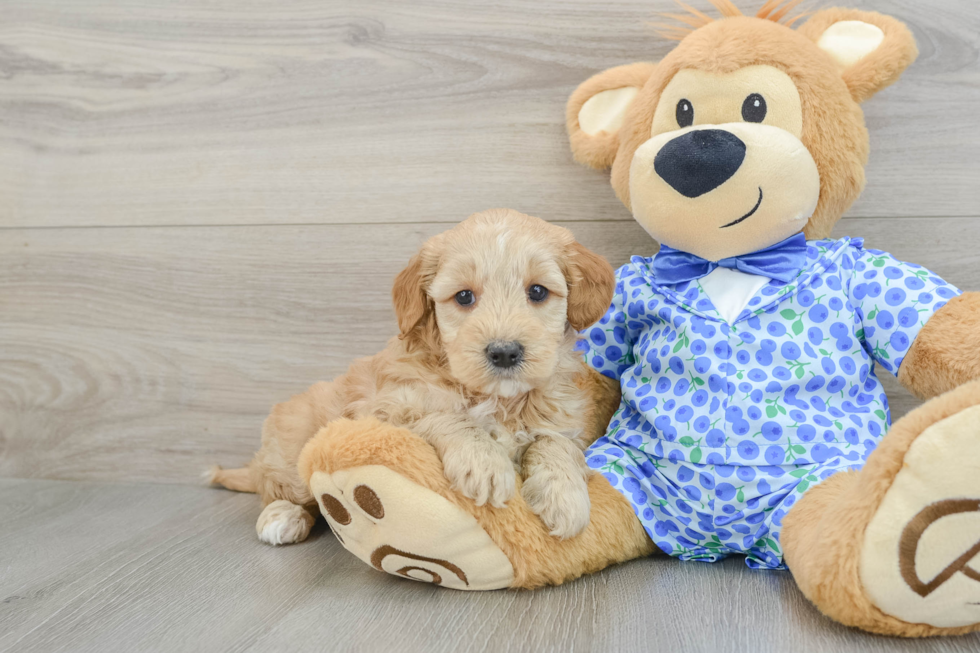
(778, 11)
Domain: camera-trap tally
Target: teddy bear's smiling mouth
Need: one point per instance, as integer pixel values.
(747, 215)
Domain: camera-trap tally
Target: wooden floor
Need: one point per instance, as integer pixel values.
(154, 568)
(202, 209)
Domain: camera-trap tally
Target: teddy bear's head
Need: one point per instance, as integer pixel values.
(748, 131)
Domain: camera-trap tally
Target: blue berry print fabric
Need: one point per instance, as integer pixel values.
(722, 427)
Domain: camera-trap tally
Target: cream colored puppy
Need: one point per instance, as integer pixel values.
(484, 369)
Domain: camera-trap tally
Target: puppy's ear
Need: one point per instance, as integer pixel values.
(408, 295)
(596, 110)
(591, 283)
(871, 50)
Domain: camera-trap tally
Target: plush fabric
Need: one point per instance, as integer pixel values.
(823, 534)
(598, 150)
(940, 359)
(884, 65)
(697, 408)
(613, 534)
(821, 537)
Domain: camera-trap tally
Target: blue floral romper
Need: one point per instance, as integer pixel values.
(723, 426)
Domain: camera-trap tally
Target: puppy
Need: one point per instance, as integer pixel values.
(485, 370)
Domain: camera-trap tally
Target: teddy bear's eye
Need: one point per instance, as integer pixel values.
(685, 114)
(754, 108)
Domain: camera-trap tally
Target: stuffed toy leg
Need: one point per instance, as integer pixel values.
(882, 549)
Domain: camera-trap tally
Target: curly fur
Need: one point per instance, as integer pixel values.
(434, 377)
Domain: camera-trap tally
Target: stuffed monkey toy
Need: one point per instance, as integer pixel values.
(736, 369)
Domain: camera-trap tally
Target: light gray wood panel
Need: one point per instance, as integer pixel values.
(143, 112)
(147, 354)
(163, 568)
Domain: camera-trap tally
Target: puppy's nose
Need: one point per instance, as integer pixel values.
(503, 355)
(699, 161)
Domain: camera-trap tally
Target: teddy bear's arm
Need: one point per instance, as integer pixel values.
(946, 353)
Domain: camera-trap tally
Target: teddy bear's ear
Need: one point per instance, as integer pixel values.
(596, 110)
(871, 50)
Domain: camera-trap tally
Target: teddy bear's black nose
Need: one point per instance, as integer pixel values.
(699, 161)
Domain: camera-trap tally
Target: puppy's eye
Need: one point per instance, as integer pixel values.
(685, 114)
(537, 293)
(754, 108)
(465, 298)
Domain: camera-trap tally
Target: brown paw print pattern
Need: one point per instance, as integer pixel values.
(336, 509)
(909, 545)
(404, 529)
(382, 552)
(368, 501)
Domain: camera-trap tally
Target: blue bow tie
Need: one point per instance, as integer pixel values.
(782, 261)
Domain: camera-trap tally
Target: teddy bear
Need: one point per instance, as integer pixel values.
(736, 408)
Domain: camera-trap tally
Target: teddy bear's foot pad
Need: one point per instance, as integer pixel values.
(921, 557)
(407, 530)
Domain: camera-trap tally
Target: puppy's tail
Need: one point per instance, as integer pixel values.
(239, 480)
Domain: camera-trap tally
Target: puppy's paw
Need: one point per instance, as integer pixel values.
(561, 501)
(482, 471)
(283, 522)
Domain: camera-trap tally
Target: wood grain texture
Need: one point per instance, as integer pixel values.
(149, 112)
(147, 354)
(149, 568)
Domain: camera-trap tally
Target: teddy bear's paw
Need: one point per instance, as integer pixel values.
(560, 500)
(283, 522)
(407, 530)
(920, 561)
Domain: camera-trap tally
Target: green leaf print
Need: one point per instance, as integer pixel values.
(798, 326)
(880, 413)
(788, 314)
(696, 455)
(803, 485)
(798, 473)
(740, 496)
(687, 441)
(770, 411)
(678, 346)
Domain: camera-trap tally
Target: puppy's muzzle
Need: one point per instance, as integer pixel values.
(699, 161)
(505, 355)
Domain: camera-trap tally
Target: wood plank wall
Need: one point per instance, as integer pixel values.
(203, 205)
